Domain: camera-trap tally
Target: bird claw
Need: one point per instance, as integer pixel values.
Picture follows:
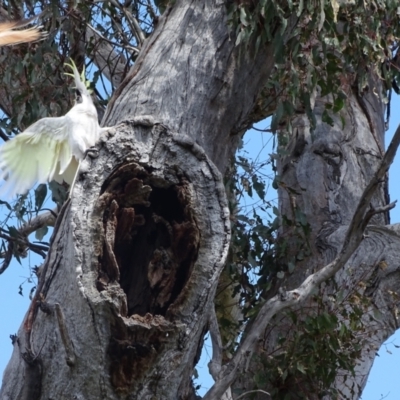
(92, 152)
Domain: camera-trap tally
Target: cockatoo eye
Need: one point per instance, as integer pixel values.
(78, 96)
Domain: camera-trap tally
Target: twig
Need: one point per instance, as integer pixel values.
(252, 391)
(214, 365)
(37, 248)
(135, 26)
(127, 47)
(261, 130)
(3, 135)
(132, 21)
(353, 238)
(46, 219)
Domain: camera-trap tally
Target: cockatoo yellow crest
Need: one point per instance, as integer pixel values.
(51, 148)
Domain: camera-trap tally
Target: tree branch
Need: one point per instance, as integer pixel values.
(131, 49)
(132, 21)
(111, 63)
(39, 249)
(215, 364)
(134, 26)
(251, 392)
(353, 238)
(46, 219)
(3, 135)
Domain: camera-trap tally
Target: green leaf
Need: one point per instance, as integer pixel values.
(259, 187)
(291, 267)
(41, 233)
(300, 367)
(40, 195)
(279, 49)
(13, 232)
(327, 118)
(301, 217)
(284, 375)
(6, 204)
(338, 104)
(243, 16)
(300, 8)
(279, 112)
(239, 38)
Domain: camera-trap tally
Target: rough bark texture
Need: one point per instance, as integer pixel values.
(133, 265)
(192, 79)
(124, 296)
(125, 293)
(332, 171)
(324, 176)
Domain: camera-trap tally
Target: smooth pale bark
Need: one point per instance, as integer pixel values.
(127, 287)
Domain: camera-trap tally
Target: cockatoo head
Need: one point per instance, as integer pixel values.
(81, 85)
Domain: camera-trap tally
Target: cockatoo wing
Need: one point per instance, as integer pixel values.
(35, 155)
(68, 175)
(9, 36)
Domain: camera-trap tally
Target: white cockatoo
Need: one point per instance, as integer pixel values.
(51, 148)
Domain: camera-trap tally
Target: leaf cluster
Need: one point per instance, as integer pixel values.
(34, 84)
(322, 341)
(260, 256)
(329, 46)
(320, 347)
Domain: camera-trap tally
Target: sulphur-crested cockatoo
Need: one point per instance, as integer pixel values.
(51, 148)
(10, 36)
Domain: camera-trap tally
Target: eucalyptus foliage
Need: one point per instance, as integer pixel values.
(332, 47)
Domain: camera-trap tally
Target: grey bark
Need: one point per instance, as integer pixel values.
(328, 172)
(124, 295)
(131, 272)
(208, 98)
(334, 169)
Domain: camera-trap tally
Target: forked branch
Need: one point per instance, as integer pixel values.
(296, 297)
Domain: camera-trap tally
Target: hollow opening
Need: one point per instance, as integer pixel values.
(156, 242)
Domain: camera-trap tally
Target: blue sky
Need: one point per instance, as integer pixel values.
(383, 381)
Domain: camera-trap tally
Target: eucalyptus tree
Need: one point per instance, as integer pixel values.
(132, 278)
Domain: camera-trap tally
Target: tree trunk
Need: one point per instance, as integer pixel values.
(124, 295)
(323, 176)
